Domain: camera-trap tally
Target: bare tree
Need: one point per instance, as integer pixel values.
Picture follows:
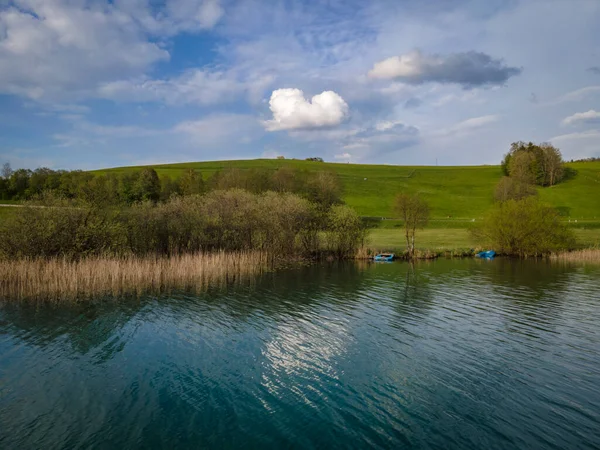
(414, 212)
(522, 167)
(509, 188)
(553, 163)
(6, 171)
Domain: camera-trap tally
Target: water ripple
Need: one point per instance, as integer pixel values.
(450, 354)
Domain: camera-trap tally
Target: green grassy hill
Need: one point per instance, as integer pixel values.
(459, 192)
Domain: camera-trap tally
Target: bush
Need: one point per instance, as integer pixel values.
(525, 228)
(280, 224)
(58, 227)
(345, 231)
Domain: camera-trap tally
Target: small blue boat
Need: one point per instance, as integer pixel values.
(384, 257)
(489, 254)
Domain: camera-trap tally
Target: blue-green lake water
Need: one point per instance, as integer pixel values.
(444, 355)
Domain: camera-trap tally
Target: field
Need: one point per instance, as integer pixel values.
(392, 239)
(458, 196)
(457, 193)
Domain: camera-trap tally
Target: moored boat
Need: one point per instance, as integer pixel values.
(384, 257)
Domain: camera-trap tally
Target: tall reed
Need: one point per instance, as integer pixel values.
(591, 255)
(63, 280)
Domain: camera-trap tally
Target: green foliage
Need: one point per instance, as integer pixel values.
(190, 183)
(525, 228)
(532, 163)
(278, 223)
(345, 231)
(58, 227)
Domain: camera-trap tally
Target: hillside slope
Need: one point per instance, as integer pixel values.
(458, 192)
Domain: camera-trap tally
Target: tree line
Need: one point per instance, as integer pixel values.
(281, 224)
(133, 186)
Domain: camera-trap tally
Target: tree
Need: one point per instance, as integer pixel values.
(148, 185)
(169, 187)
(191, 182)
(6, 171)
(323, 188)
(522, 167)
(525, 228)
(513, 189)
(18, 184)
(414, 212)
(544, 163)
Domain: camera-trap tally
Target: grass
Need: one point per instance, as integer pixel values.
(441, 239)
(61, 280)
(458, 193)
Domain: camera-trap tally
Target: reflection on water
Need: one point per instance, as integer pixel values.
(445, 354)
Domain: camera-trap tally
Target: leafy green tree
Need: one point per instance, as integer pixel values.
(18, 183)
(169, 187)
(324, 189)
(345, 231)
(544, 163)
(191, 182)
(524, 228)
(414, 212)
(147, 186)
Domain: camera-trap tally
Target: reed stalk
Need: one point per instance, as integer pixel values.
(589, 255)
(63, 280)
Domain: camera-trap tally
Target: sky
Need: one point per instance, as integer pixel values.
(101, 83)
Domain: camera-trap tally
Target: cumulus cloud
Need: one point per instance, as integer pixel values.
(292, 111)
(590, 116)
(467, 69)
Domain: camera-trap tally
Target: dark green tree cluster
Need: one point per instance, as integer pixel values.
(280, 224)
(526, 166)
(539, 164)
(133, 186)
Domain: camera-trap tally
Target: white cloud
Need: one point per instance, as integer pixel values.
(579, 94)
(578, 145)
(590, 116)
(292, 111)
(467, 69)
(51, 49)
(345, 155)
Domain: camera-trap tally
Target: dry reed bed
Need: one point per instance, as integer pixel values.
(591, 255)
(61, 280)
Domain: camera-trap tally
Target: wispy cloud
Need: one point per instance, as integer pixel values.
(590, 116)
(467, 69)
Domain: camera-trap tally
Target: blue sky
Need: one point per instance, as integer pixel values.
(99, 83)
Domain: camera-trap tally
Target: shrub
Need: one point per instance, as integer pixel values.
(345, 231)
(525, 228)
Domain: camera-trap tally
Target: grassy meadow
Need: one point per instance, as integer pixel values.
(459, 193)
(458, 196)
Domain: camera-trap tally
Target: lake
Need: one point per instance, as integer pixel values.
(451, 354)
